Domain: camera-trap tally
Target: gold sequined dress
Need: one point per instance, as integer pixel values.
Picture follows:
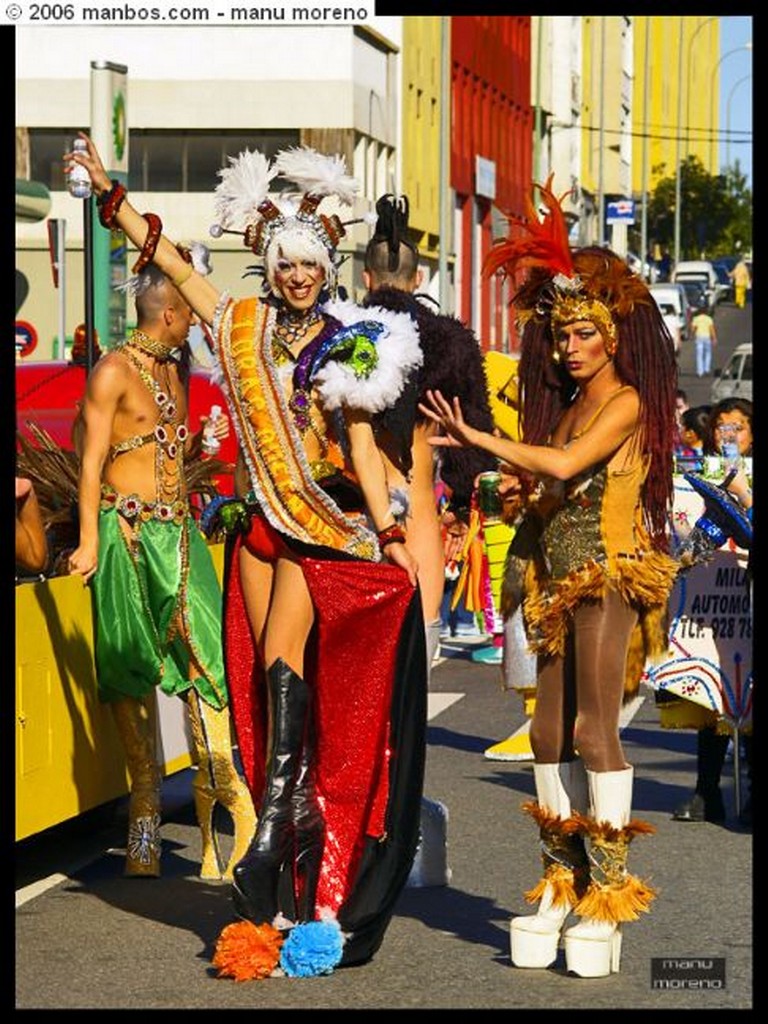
(593, 537)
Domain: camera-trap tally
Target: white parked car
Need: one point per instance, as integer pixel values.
(674, 295)
(672, 320)
(700, 270)
(735, 378)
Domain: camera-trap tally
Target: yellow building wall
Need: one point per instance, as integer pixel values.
(677, 56)
(69, 757)
(421, 128)
(601, 102)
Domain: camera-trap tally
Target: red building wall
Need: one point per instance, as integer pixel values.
(492, 118)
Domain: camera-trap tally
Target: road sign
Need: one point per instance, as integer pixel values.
(622, 211)
(26, 338)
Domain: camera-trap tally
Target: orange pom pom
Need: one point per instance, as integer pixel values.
(245, 951)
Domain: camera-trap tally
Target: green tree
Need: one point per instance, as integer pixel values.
(715, 211)
(738, 233)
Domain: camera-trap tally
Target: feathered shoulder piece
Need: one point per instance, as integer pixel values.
(367, 363)
(316, 174)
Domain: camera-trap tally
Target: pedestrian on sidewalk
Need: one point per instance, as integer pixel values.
(742, 282)
(705, 339)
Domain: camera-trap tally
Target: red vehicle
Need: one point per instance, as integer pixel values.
(48, 393)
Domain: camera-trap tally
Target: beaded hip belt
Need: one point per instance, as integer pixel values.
(132, 507)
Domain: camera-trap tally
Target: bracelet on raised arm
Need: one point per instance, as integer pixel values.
(147, 254)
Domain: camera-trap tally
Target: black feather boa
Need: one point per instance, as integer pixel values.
(453, 364)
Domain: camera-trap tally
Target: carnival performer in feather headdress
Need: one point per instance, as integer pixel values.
(323, 632)
(594, 474)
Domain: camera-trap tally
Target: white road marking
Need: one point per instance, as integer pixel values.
(438, 702)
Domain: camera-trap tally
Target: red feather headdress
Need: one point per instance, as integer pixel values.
(562, 286)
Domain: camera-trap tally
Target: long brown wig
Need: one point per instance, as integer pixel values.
(644, 357)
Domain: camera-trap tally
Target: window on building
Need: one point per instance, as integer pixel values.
(160, 161)
(47, 147)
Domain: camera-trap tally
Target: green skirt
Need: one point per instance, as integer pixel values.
(157, 605)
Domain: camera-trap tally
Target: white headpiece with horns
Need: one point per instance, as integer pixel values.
(243, 205)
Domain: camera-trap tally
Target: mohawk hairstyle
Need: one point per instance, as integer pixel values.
(392, 228)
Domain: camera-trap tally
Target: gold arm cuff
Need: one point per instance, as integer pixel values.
(183, 277)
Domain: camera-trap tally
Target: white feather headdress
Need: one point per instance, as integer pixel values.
(243, 188)
(243, 205)
(317, 174)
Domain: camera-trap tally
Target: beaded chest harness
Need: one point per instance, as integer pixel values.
(168, 434)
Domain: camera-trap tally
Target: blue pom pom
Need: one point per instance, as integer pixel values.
(311, 949)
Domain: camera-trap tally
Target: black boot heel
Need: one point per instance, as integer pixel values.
(256, 878)
(309, 855)
(309, 827)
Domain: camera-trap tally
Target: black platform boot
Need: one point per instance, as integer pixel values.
(257, 876)
(309, 828)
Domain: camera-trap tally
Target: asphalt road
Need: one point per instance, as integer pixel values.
(88, 938)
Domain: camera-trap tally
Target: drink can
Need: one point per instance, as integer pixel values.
(488, 497)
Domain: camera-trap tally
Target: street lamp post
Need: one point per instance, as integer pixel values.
(736, 49)
(678, 174)
(644, 183)
(601, 135)
(678, 189)
(688, 82)
(728, 119)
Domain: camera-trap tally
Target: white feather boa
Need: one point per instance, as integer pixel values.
(398, 351)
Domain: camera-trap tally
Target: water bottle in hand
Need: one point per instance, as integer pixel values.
(729, 446)
(211, 443)
(78, 179)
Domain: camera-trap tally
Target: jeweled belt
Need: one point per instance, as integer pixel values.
(132, 507)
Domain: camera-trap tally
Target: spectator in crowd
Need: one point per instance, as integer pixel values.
(681, 404)
(706, 803)
(694, 430)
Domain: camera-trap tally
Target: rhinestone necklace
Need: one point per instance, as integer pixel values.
(292, 325)
(151, 346)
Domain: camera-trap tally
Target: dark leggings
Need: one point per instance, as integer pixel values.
(579, 696)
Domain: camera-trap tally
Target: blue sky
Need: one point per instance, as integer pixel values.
(736, 85)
